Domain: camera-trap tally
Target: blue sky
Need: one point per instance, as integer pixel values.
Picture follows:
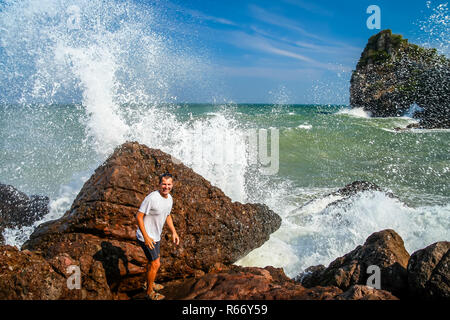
(246, 51)
(290, 51)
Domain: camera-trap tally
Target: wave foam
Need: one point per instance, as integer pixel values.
(355, 112)
(318, 235)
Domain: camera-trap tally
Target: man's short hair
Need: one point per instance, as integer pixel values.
(165, 176)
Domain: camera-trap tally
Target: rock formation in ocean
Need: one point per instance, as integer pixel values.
(100, 226)
(384, 249)
(393, 74)
(341, 197)
(355, 187)
(19, 210)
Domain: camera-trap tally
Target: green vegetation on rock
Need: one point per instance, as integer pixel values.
(392, 74)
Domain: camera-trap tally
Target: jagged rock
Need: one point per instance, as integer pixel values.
(384, 249)
(353, 189)
(341, 199)
(359, 292)
(244, 283)
(393, 74)
(19, 210)
(27, 276)
(341, 195)
(241, 283)
(310, 276)
(98, 231)
(429, 272)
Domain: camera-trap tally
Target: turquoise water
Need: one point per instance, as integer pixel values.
(43, 146)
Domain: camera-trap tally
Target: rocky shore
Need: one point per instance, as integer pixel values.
(97, 234)
(393, 74)
(18, 209)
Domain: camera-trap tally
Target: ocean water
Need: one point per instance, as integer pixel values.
(48, 150)
(118, 75)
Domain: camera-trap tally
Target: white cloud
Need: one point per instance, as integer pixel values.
(309, 6)
(202, 16)
(244, 40)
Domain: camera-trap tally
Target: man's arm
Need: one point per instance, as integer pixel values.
(149, 242)
(169, 221)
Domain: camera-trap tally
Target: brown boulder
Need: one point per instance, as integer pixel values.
(384, 249)
(428, 272)
(27, 276)
(100, 226)
(360, 292)
(245, 283)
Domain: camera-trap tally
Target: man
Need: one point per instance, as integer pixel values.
(153, 213)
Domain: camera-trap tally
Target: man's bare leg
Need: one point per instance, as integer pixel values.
(152, 269)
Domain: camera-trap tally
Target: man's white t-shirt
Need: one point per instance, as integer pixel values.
(156, 209)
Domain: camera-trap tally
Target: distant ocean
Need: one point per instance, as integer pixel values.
(118, 66)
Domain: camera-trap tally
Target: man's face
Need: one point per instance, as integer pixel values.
(166, 186)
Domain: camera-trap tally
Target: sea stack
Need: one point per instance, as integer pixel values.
(393, 74)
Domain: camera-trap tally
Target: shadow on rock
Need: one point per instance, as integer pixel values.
(110, 257)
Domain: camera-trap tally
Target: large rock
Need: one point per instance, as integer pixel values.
(384, 249)
(19, 210)
(360, 292)
(243, 283)
(27, 276)
(429, 272)
(393, 74)
(100, 226)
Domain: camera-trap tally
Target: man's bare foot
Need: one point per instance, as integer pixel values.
(154, 296)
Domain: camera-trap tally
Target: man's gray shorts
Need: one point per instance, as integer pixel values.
(151, 254)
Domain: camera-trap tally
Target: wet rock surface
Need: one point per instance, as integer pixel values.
(358, 186)
(360, 292)
(429, 272)
(18, 209)
(384, 249)
(27, 276)
(239, 283)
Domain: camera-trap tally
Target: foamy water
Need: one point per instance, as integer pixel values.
(316, 234)
(356, 112)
